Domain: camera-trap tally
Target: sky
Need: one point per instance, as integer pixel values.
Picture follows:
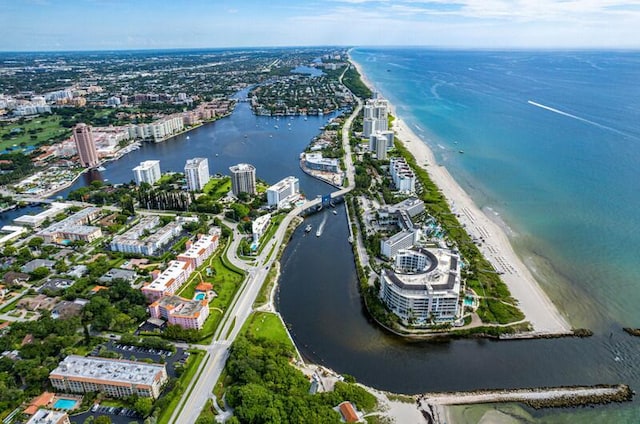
(34, 25)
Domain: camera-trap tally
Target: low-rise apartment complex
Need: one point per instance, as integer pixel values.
(183, 312)
(114, 377)
(75, 227)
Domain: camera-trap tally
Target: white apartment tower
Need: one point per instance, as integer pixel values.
(147, 172)
(375, 117)
(243, 179)
(196, 171)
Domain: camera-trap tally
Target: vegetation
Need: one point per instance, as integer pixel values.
(267, 325)
(263, 387)
(354, 83)
(14, 167)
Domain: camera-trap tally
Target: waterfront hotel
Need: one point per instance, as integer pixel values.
(424, 287)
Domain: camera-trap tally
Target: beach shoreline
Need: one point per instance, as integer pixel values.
(537, 307)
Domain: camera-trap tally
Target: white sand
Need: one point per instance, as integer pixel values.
(532, 300)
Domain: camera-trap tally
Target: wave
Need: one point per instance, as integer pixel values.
(569, 115)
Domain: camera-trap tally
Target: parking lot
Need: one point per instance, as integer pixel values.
(116, 414)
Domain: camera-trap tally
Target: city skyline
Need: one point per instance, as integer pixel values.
(44, 25)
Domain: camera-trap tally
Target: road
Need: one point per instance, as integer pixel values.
(199, 390)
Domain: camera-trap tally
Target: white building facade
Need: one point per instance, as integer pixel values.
(147, 172)
(424, 287)
(196, 171)
(283, 192)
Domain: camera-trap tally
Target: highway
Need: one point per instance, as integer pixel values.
(201, 388)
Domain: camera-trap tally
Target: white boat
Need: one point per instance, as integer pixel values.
(308, 228)
(276, 127)
(319, 232)
(101, 168)
(335, 212)
(188, 137)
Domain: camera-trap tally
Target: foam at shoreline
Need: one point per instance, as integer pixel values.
(532, 300)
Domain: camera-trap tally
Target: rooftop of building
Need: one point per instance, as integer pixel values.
(114, 370)
(47, 416)
(440, 272)
(242, 167)
(180, 306)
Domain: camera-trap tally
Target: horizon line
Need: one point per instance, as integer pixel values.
(345, 46)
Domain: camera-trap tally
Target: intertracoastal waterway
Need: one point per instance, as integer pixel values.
(318, 295)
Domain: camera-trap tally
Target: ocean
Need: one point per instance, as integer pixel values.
(551, 145)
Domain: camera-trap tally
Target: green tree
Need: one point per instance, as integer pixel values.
(39, 273)
(102, 419)
(35, 242)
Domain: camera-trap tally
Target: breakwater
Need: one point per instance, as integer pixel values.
(545, 397)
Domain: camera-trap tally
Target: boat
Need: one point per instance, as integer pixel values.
(188, 137)
(460, 151)
(307, 228)
(319, 232)
(350, 239)
(217, 154)
(101, 168)
(335, 212)
(276, 127)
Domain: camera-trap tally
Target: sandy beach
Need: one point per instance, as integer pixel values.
(532, 300)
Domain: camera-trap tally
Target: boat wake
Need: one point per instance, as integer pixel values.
(321, 227)
(569, 115)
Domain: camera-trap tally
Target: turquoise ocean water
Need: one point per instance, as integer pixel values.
(551, 145)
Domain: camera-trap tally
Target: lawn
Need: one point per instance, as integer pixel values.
(217, 188)
(42, 128)
(267, 325)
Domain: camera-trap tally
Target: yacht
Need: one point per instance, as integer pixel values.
(307, 228)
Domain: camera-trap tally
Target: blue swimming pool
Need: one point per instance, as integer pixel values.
(468, 301)
(199, 296)
(65, 404)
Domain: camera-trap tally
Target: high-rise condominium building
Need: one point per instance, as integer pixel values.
(196, 171)
(243, 178)
(86, 147)
(147, 172)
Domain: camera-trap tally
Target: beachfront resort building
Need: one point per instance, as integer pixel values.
(73, 228)
(147, 172)
(183, 312)
(424, 287)
(196, 171)
(282, 193)
(375, 117)
(48, 416)
(380, 143)
(114, 377)
(403, 177)
(85, 146)
(243, 179)
(316, 162)
(135, 241)
(403, 240)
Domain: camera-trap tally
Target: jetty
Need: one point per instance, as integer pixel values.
(546, 397)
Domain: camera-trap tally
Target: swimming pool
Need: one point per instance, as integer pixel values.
(468, 301)
(199, 296)
(65, 404)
